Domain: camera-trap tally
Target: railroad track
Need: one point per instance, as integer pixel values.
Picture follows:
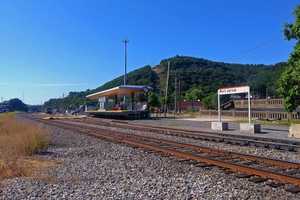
(257, 169)
(242, 140)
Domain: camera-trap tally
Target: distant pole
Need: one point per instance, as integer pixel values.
(249, 107)
(219, 107)
(179, 93)
(125, 64)
(175, 96)
(167, 86)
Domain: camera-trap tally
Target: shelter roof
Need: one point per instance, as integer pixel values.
(120, 90)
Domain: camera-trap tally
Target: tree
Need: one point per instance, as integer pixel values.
(194, 94)
(289, 82)
(17, 105)
(153, 100)
(210, 101)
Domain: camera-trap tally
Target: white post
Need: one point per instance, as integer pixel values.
(249, 107)
(166, 92)
(99, 101)
(219, 107)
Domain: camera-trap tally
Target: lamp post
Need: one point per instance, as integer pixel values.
(125, 67)
(125, 64)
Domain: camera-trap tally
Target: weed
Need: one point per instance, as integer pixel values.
(17, 140)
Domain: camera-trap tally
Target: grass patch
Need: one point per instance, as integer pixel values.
(279, 122)
(271, 122)
(19, 140)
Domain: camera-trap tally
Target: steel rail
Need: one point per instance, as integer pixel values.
(153, 145)
(283, 164)
(229, 138)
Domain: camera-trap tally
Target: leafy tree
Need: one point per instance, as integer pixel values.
(210, 101)
(264, 83)
(163, 101)
(289, 82)
(153, 100)
(17, 105)
(194, 94)
(290, 87)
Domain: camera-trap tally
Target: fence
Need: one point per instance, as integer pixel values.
(261, 103)
(270, 115)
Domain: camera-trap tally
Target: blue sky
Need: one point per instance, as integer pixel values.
(52, 47)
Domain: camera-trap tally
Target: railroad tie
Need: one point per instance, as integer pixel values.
(259, 171)
(293, 189)
(274, 184)
(241, 175)
(257, 179)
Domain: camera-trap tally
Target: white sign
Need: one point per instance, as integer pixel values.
(234, 90)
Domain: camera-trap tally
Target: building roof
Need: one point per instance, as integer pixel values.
(120, 90)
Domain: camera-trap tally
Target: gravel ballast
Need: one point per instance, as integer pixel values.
(95, 169)
(251, 150)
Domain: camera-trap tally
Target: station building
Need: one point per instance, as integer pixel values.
(122, 102)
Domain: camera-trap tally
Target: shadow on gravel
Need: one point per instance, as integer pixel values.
(277, 130)
(46, 153)
(263, 132)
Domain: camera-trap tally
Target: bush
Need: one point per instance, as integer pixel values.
(153, 100)
(211, 101)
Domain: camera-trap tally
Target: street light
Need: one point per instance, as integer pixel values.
(125, 64)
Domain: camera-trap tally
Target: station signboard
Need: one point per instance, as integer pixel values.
(234, 90)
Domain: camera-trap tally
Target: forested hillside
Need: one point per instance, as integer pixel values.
(191, 73)
(13, 105)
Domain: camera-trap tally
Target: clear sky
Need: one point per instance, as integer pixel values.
(51, 47)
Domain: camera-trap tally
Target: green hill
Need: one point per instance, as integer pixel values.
(13, 105)
(192, 72)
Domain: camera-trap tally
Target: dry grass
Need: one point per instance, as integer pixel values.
(18, 140)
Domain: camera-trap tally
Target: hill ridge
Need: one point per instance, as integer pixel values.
(192, 72)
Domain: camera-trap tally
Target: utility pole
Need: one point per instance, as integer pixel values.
(125, 64)
(175, 95)
(179, 94)
(167, 86)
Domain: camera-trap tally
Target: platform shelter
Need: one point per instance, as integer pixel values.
(122, 102)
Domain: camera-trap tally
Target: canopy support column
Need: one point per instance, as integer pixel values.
(132, 101)
(116, 99)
